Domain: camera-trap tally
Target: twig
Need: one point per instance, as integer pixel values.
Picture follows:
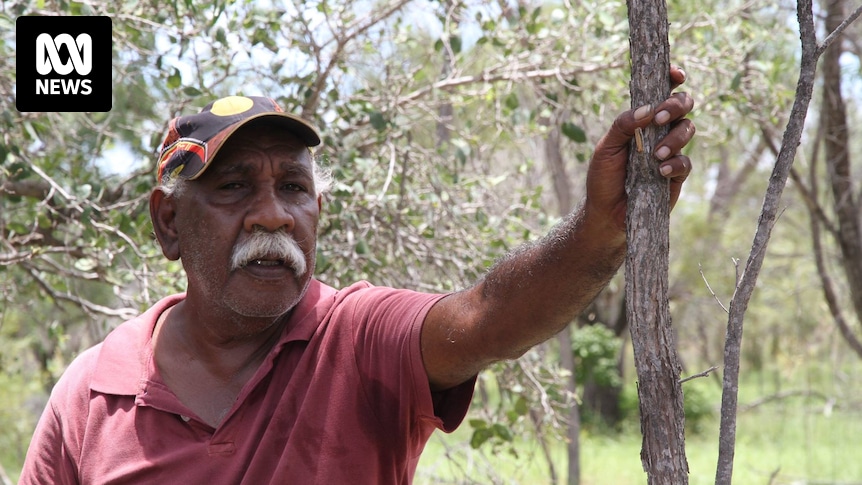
(773, 475)
(392, 158)
(4, 478)
(783, 395)
(489, 76)
(839, 30)
(86, 305)
(546, 403)
(701, 374)
(55, 186)
(703, 276)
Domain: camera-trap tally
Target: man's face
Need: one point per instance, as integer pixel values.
(261, 181)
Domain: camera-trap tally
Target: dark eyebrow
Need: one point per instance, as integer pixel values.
(298, 169)
(240, 168)
(234, 168)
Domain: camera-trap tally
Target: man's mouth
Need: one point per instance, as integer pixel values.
(270, 253)
(266, 262)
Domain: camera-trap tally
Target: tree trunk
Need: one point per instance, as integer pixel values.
(836, 146)
(573, 430)
(656, 360)
(768, 214)
(833, 132)
(563, 192)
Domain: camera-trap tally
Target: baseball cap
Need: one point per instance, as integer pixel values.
(194, 140)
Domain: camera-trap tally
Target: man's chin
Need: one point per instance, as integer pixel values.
(267, 308)
(268, 302)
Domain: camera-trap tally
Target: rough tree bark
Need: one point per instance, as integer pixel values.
(836, 150)
(833, 133)
(565, 202)
(811, 52)
(653, 340)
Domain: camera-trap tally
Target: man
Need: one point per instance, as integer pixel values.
(261, 374)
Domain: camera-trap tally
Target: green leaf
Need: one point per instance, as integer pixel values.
(512, 101)
(455, 42)
(480, 436)
(83, 190)
(86, 264)
(174, 80)
(502, 431)
(737, 80)
(377, 121)
(574, 132)
(16, 228)
(191, 91)
(361, 247)
(535, 14)
(478, 423)
(19, 171)
(521, 406)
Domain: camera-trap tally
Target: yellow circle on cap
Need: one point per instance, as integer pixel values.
(231, 105)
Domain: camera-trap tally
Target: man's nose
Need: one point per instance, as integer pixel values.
(269, 211)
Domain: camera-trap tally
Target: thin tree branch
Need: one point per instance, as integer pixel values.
(360, 26)
(700, 269)
(739, 303)
(829, 293)
(808, 194)
(490, 76)
(699, 374)
(783, 395)
(123, 313)
(839, 30)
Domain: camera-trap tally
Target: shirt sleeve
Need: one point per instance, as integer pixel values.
(387, 331)
(52, 458)
(48, 462)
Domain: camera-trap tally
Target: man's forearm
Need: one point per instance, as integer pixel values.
(532, 293)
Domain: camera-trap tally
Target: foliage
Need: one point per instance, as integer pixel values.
(434, 116)
(596, 349)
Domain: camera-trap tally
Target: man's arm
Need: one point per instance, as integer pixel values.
(534, 292)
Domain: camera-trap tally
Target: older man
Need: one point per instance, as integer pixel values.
(260, 373)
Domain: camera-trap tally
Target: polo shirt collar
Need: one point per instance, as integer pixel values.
(308, 314)
(121, 368)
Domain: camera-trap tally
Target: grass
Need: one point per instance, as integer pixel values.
(793, 441)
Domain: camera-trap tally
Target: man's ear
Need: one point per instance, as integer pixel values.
(163, 214)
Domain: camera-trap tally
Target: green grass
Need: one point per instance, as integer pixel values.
(797, 440)
(799, 449)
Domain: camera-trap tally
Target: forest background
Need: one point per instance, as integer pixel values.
(456, 131)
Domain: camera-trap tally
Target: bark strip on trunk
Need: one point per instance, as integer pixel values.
(653, 339)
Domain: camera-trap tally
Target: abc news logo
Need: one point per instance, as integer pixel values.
(64, 64)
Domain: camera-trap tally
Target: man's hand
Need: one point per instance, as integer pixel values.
(606, 177)
(535, 291)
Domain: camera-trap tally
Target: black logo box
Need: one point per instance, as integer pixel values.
(100, 86)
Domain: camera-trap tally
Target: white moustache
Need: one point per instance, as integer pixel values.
(269, 246)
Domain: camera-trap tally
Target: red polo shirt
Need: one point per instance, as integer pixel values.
(342, 398)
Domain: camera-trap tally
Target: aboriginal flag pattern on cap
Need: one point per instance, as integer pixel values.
(193, 140)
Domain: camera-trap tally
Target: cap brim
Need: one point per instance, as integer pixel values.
(299, 127)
